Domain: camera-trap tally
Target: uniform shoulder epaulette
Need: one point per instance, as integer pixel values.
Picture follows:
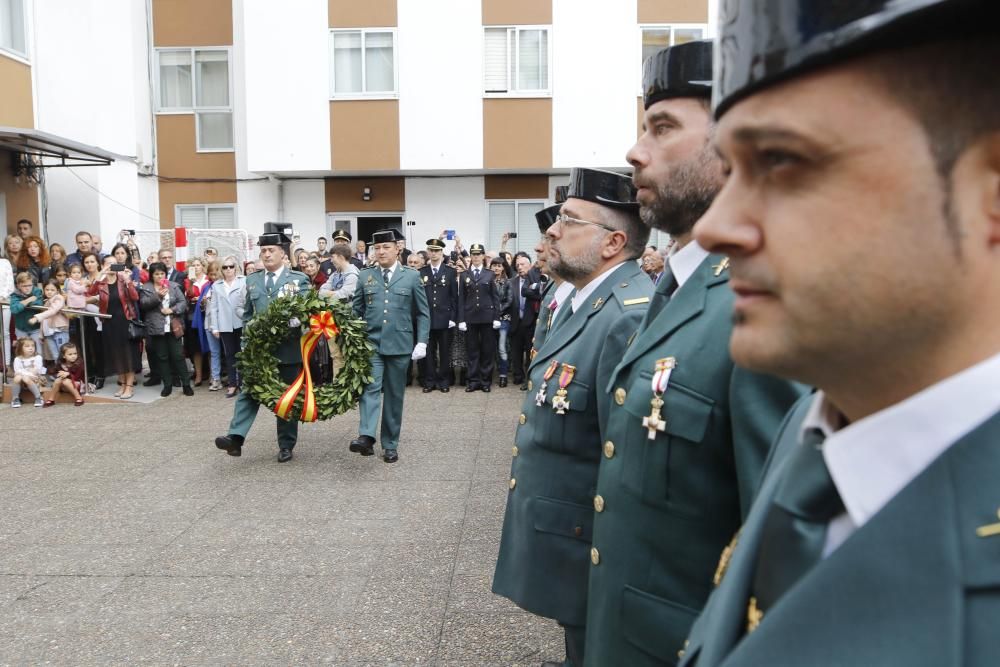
(632, 293)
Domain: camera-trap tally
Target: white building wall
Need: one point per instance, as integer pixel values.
(595, 80)
(305, 209)
(285, 54)
(446, 203)
(257, 204)
(440, 56)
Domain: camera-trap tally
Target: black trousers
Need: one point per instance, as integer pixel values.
(230, 346)
(520, 348)
(481, 350)
(169, 356)
(437, 363)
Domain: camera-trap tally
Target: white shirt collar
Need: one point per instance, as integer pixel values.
(277, 272)
(685, 261)
(392, 270)
(874, 458)
(562, 292)
(583, 294)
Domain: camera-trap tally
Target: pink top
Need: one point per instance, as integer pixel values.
(76, 294)
(52, 317)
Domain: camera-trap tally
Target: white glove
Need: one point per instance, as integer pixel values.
(294, 323)
(451, 325)
(419, 351)
(496, 324)
(462, 326)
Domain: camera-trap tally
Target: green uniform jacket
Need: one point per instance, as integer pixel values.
(258, 298)
(914, 586)
(668, 506)
(391, 315)
(545, 546)
(543, 324)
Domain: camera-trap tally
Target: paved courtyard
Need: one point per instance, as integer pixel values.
(127, 537)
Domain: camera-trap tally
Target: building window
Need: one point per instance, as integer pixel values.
(206, 216)
(362, 63)
(12, 26)
(198, 81)
(657, 37)
(516, 60)
(515, 215)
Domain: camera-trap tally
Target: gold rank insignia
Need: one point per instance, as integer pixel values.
(721, 266)
(597, 304)
(425, 279)
(724, 558)
(989, 530)
(371, 280)
(754, 615)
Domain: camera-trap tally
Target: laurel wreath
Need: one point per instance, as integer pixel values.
(258, 364)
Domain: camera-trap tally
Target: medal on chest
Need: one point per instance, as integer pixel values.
(654, 423)
(549, 372)
(552, 311)
(559, 402)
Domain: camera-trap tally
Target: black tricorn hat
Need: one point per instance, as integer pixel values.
(763, 42)
(342, 234)
(273, 238)
(607, 188)
(435, 243)
(547, 217)
(387, 236)
(684, 70)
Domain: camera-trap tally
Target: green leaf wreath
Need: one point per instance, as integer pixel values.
(258, 365)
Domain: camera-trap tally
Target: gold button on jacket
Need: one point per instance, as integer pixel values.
(609, 449)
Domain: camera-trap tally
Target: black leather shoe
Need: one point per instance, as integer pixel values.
(166, 391)
(284, 455)
(232, 444)
(99, 383)
(524, 387)
(363, 444)
(188, 390)
(471, 387)
(444, 389)
(428, 390)
(502, 382)
(390, 455)
(486, 388)
(151, 382)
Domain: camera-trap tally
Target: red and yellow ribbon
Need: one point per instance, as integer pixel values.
(321, 325)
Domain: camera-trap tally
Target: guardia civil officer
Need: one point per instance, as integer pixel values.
(556, 290)
(545, 545)
(688, 431)
(390, 298)
(441, 284)
(480, 319)
(262, 287)
(864, 142)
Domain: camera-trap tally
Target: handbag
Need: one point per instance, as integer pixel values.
(176, 327)
(136, 330)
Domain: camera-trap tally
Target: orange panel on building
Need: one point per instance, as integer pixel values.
(192, 23)
(177, 153)
(388, 193)
(672, 11)
(21, 199)
(529, 186)
(368, 14)
(517, 12)
(364, 134)
(172, 194)
(517, 133)
(16, 108)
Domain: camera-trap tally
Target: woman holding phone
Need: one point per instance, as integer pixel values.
(117, 297)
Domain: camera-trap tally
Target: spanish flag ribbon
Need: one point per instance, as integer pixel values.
(320, 326)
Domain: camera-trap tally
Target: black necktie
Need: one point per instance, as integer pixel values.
(269, 283)
(475, 274)
(665, 289)
(385, 277)
(795, 527)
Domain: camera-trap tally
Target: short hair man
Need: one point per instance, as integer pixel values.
(388, 297)
(687, 432)
(555, 295)
(864, 142)
(544, 549)
(263, 287)
(166, 255)
(84, 244)
(440, 282)
(321, 247)
(526, 297)
(25, 228)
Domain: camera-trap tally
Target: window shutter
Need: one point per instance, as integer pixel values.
(191, 216)
(528, 235)
(495, 60)
(502, 220)
(222, 217)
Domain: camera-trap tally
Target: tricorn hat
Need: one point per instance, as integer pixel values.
(435, 243)
(387, 236)
(607, 188)
(547, 217)
(684, 70)
(273, 238)
(763, 42)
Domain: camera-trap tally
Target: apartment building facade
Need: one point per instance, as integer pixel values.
(335, 114)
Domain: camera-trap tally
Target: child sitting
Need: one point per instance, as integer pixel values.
(69, 375)
(28, 371)
(55, 325)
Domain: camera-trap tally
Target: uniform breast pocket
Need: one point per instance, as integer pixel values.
(569, 431)
(650, 463)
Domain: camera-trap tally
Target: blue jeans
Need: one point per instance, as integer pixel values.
(502, 346)
(56, 341)
(215, 351)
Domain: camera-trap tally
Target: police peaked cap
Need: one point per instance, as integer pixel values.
(763, 42)
(684, 70)
(341, 234)
(607, 188)
(435, 243)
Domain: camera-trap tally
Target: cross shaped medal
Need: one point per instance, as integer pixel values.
(653, 422)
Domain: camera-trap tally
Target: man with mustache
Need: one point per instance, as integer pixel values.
(864, 141)
(688, 431)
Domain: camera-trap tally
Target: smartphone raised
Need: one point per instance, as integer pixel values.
(118, 267)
